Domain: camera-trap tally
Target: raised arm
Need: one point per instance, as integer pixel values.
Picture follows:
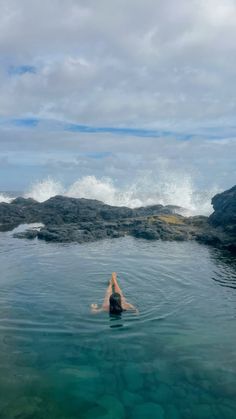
(106, 302)
(125, 304)
(116, 286)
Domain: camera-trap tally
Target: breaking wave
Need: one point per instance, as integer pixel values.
(5, 198)
(170, 190)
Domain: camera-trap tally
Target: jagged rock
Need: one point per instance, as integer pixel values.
(224, 214)
(224, 218)
(83, 220)
(28, 234)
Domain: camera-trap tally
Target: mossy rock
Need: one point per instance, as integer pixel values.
(131, 399)
(171, 219)
(202, 411)
(95, 412)
(113, 407)
(133, 378)
(23, 408)
(148, 411)
(172, 412)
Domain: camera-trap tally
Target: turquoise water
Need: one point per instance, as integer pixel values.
(176, 359)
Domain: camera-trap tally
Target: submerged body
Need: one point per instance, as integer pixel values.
(114, 300)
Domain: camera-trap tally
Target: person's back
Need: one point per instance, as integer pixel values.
(114, 300)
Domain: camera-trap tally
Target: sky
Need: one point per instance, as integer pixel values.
(122, 90)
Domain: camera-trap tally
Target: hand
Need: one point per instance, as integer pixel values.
(94, 306)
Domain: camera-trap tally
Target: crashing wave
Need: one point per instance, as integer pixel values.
(167, 190)
(5, 198)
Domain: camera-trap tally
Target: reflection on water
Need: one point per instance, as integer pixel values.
(225, 275)
(176, 359)
(115, 320)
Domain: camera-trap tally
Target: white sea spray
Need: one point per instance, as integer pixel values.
(166, 189)
(5, 198)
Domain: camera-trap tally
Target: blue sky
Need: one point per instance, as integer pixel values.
(21, 69)
(117, 90)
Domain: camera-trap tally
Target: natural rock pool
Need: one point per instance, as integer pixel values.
(176, 359)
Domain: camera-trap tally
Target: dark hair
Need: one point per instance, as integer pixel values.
(115, 303)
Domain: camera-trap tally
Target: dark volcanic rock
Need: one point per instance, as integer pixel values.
(224, 214)
(224, 218)
(20, 210)
(83, 220)
(24, 202)
(63, 210)
(143, 232)
(27, 234)
(152, 210)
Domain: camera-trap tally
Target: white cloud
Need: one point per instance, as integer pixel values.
(150, 64)
(122, 63)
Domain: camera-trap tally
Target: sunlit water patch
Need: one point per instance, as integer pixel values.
(176, 359)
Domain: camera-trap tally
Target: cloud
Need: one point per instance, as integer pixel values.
(149, 64)
(116, 89)
(67, 156)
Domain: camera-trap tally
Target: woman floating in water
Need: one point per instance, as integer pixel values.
(114, 300)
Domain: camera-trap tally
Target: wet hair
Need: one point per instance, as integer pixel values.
(115, 303)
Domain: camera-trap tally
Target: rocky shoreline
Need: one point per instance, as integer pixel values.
(82, 220)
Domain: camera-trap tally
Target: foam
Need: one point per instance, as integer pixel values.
(166, 189)
(45, 189)
(5, 198)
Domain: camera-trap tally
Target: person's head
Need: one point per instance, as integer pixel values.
(115, 303)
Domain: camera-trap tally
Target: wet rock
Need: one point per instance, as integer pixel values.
(28, 234)
(202, 411)
(224, 217)
(96, 412)
(82, 372)
(224, 214)
(83, 220)
(8, 226)
(84, 384)
(23, 408)
(132, 377)
(114, 408)
(172, 412)
(146, 233)
(24, 202)
(131, 399)
(180, 393)
(224, 410)
(162, 393)
(148, 411)
(110, 383)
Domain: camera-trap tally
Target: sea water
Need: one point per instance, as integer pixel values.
(175, 359)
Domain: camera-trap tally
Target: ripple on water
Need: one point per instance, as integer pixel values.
(168, 359)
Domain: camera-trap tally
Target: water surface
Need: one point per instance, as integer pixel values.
(176, 359)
